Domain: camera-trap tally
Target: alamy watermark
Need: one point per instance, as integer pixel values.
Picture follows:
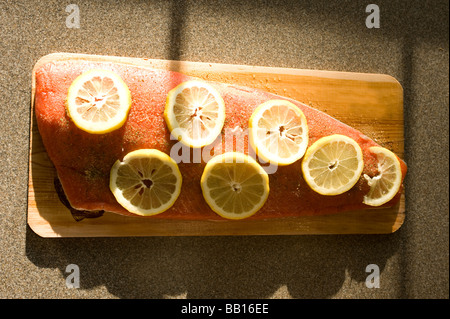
(373, 279)
(73, 19)
(73, 279)
(373, 19)
(232, 140)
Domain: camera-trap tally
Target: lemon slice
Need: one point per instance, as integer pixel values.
(333, 164)
(278, 132)
(195, 113)
(98, 101)
(234, 185)
(147, 182)
(385, 185)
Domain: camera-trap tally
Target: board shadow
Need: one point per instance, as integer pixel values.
(215, 267)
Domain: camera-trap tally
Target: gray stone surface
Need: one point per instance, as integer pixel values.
(411, 45)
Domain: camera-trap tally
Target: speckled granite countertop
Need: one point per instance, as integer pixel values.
(411, 45)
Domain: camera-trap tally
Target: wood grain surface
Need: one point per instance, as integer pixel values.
(371, 103)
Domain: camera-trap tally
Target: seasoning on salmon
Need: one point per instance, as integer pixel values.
(83, 161)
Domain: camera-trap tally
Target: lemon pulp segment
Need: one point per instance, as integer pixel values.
(98, 101)
(234, 185)
(147, 182)
(195, 113)
(333, 164)
(386, 184)
(278, 132)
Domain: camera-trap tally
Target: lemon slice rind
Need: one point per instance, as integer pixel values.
(288, 132)
(327, 166)
(390, 175)
(98, 108)
(169, 178)
(255, 174)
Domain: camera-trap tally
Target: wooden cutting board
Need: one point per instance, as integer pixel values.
(371, 103)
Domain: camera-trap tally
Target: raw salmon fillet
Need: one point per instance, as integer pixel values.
(83, 161)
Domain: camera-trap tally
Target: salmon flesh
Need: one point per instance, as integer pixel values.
(83, 160)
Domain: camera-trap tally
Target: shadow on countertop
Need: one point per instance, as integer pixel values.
(215, 267)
